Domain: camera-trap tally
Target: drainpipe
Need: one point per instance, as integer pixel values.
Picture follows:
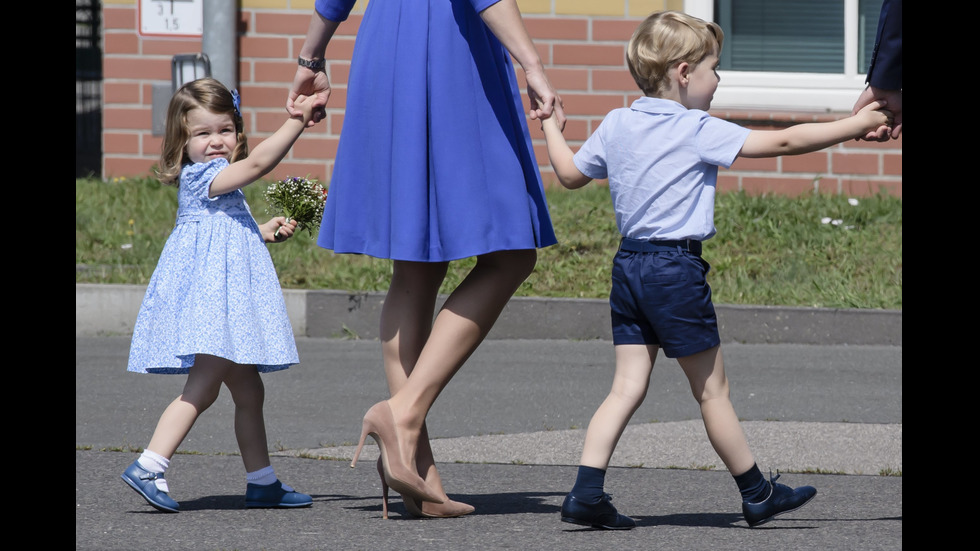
(220, 40)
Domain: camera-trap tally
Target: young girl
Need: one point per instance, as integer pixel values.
(661, 157)
(213, 308)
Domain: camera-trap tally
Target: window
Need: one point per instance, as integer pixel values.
(809, 55)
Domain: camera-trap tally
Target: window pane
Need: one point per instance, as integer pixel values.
(782, 35)
(868, 12)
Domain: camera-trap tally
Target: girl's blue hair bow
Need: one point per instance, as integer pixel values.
(237, 100)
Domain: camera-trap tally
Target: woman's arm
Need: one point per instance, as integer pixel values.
(504, 20)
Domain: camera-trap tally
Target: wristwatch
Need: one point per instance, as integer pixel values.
(312, 64)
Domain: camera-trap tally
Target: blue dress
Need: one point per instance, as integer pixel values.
(215, 290)
(435, 161)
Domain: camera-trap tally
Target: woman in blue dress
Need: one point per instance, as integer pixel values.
(434, 164)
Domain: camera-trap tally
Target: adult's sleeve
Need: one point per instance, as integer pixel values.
(480, 5)
(885, 71)
(335, 10)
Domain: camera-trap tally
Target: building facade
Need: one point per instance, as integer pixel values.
(582, 43)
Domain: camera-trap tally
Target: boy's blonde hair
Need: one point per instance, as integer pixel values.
(665, 39)
(204, 93)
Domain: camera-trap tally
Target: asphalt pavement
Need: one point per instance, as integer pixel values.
(507, 433)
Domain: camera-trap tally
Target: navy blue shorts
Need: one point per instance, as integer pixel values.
(660, 296)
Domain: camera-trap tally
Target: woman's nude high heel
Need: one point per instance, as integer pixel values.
(422, 509)
(447, 509)
(380, 424)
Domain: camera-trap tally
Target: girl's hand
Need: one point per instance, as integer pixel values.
(309, 83)
(305, 106)
(278, 229)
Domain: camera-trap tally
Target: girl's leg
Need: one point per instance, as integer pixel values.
(264, 489)
(634, 363)
(461, 325)
(145, 475)
(248, 392)
(406, 321)
(706, 374)
(200, 391)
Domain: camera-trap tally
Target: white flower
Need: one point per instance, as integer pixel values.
(825, 220)
(126, 246)
(852, 201)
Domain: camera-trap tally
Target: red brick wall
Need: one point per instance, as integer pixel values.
(582, 44)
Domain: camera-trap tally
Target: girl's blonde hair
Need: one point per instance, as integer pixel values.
(665, 39)
(205, 93)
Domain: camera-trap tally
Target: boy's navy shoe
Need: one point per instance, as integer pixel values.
(144, 482)
(274, 495)
(596, 515)
(782, 499)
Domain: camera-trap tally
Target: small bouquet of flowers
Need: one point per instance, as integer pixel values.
(299, 199)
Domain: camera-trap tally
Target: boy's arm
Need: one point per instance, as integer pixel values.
(804, 138)
(561, 156)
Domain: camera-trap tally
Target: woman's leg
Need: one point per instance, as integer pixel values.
(406, 321)
(200, 391)
(461, 325)
(634, 363)
(706, 374)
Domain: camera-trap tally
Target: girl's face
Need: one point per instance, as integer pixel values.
(703, 81)
(211, 135)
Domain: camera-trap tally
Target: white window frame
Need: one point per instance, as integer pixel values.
(808, 92)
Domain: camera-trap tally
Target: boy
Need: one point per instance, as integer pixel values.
(661, 157)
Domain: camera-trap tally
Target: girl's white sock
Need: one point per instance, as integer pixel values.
(262, 477)
(153, 462)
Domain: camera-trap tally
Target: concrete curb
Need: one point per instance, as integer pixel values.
(112, 309)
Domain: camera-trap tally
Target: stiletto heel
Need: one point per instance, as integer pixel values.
(384, 490)
(380, 424)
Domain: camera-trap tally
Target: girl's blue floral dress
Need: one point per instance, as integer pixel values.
(215, 290)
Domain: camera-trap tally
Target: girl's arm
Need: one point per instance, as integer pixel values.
(804, 138)
(504, 20)
(561, 156)
(265, 156)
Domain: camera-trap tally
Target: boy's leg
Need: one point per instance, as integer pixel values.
(706, 374)
(761, 500)
(587, 503)
(634, 364)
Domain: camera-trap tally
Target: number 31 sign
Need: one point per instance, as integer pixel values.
(176, 18)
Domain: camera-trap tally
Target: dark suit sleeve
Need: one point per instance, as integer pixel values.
(885, 71)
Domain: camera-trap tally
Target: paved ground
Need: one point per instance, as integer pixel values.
(507, 433)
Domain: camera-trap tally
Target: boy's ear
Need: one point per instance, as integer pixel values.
(682, 73)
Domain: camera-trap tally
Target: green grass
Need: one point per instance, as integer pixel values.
(769, 250)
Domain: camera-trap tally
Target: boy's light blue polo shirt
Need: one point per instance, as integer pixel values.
(661, 160)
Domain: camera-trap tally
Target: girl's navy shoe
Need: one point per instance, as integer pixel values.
(782, 499)
(274, 495)
(596, 515)
(144, 482)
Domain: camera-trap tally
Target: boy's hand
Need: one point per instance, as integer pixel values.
(880, 121)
